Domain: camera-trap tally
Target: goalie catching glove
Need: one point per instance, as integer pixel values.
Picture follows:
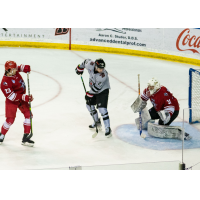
(164, 116)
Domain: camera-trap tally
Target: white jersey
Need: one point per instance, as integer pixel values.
(98, 82)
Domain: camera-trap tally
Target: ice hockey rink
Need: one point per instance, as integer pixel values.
(60, 118)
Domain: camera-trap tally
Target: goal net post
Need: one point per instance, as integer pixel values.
(194, 95)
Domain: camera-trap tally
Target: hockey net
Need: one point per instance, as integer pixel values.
(194, 95)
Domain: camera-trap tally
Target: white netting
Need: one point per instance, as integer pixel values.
(195, 96)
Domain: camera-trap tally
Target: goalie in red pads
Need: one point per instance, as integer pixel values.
(165, 109)
(165, 105)
(14, 89)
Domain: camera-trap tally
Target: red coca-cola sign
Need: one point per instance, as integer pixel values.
(188, 42)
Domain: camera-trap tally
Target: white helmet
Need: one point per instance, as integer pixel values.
(153, 82)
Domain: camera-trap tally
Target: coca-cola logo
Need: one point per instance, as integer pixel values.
(185, 40)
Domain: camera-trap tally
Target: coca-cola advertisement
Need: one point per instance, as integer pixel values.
(188, 41)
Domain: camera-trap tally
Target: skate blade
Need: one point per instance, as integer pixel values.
(94, 135)
(0, 142)
(188, 138)
(108, 136)
(94, 129)
(100, 128)
(27, 144)
(143, 135)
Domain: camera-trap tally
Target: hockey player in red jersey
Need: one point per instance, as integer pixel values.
(14, 89)
(165, 105)
(165, 108)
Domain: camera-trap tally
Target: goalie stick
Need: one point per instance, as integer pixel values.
(95, 134)
(140, 126)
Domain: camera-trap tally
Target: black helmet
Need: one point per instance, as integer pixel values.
(100, 63)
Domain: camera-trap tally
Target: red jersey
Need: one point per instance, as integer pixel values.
(161, 100)
(13, 87)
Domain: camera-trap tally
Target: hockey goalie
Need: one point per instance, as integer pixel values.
(165, 109)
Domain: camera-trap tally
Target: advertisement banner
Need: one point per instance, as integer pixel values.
(184, 42)
(35, 35)
(129, 38)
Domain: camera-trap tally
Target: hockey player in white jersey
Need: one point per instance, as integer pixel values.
(99, 90)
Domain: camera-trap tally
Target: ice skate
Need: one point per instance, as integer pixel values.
(1, 138)
(108, 132)
(27, 142)
(187, 136)
(99, 126)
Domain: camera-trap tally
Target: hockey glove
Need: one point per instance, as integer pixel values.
(138, 105)
(88, 97)
(27, 97)
(25, 68)
(164, 116)
(79, 70)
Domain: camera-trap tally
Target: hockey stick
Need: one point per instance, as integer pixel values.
(95, 134)
(141, 134)
(30, 135)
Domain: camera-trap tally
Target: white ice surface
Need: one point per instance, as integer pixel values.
(60, 123)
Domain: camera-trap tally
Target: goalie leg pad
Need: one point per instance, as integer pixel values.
(145, 119)
(168, 132)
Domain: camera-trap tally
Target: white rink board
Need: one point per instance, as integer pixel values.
(33, 35)
(159, 40)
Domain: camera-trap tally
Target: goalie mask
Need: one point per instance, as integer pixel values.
(153, 85)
